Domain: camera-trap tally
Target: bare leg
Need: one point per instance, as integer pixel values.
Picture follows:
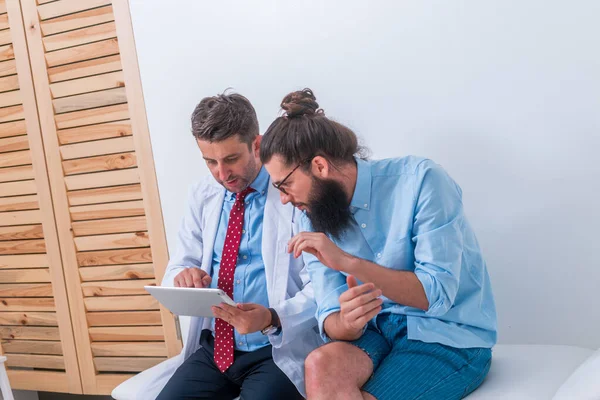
(337, 371)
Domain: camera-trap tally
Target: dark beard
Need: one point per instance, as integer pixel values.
(328, 208)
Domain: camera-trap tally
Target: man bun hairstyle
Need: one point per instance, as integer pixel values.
(303, 131)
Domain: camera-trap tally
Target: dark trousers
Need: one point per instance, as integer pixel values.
(252, 376)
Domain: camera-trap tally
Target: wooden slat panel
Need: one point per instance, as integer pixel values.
(25, 290)
(117, 272)
(9, 83)
(13, 128)
(126, 333)
(97, 148)
(84, 85)
(125, 364)
(6, 53)
(16, 173)
(95, 180)
(22, 247)
(121, 303)
(19, 188)
(19, 203)
(85, 68)
(78, 20)
(5, 37)
(32, 347)
(30, 319)
(113, 257)
(20, 218)
(3, 21)
(14, 143)
(11, 113)
(2, 6)
(25, 275)
(8, 68)
(105, 195)
(114, 288)
(27, 304)
(90, 100)
(99, 163)
(29, 332)
(46, 381)
(15, 158)
(122, 318)
(27, 261)
(105, 242)
(80, 36)
(80, 53)
(129, 349)
(10, 98)
(63, 7)
(107, 210)
(95, 132)
(112, 225)
(21, 232)
(35, 361)
(94, 116)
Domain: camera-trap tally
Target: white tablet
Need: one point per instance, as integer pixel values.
(194, 302)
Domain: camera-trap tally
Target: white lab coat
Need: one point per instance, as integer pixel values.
(289, 291)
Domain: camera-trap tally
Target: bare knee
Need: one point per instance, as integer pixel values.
(337, 362)
(319, 362)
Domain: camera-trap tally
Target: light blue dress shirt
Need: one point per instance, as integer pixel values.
(408, 215)
(250, 283)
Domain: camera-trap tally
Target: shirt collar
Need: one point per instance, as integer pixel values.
(361, 199)
(260, 184)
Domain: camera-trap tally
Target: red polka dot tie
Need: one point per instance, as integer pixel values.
(224, 332)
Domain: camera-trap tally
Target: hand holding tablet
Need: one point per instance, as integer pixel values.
(190, 301)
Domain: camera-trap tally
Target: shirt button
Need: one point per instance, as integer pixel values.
(240, 343)
(378, 255)
(363, 225)
(243, 231)
(238, 281)
(366, 205)
(245, 257)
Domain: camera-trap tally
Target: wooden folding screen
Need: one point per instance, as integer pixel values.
(35, 323)
(103, 237)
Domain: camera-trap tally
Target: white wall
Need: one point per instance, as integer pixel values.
(504, 94)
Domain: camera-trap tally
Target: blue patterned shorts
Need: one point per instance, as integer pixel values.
(410, 369)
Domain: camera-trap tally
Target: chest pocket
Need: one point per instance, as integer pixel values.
(397, 254)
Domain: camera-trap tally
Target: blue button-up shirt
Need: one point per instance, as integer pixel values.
(249, 284)
(408, 215)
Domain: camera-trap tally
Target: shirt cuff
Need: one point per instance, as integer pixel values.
(436, 304)
(329, 305)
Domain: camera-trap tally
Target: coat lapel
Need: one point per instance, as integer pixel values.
(277, 231)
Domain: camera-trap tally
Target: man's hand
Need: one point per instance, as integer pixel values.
(192, 277)
(320, 246)
(245, 317)
(359, 304)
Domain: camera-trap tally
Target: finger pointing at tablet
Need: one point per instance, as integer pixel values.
(192, 277)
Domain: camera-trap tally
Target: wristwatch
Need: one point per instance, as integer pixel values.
(274, 328)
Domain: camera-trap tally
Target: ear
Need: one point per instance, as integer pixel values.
(320, 167)
(256, 145)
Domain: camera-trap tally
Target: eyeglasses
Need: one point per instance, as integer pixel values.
(278, 185)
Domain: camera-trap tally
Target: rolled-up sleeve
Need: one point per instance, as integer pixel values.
(328, 284)
(438, 236)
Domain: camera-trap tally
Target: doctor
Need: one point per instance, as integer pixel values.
(234, 237)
